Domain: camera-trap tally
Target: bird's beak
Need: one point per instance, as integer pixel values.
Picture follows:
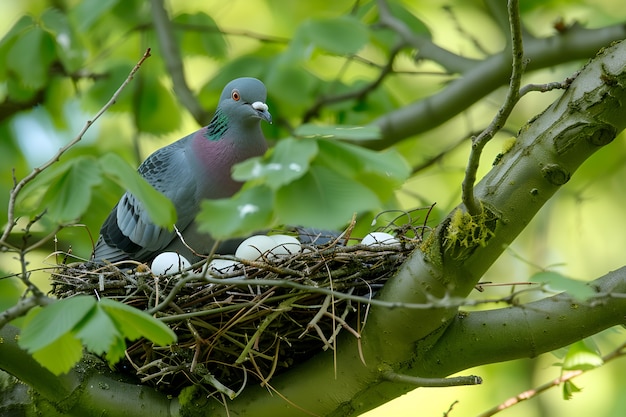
(261, 109)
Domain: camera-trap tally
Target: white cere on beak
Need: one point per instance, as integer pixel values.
(260, 106)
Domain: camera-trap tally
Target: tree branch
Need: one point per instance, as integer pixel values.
(512, 97)
(427, 49)
(486, 76)
(527, 330)
(19, 185)
(566, 376)
(81, 393)
(174, 62)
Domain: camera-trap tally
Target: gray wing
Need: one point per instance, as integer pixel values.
(128, 232)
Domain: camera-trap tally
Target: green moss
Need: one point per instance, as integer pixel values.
(465, 232)
(431, 249)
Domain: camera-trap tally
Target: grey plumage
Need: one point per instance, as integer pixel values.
(189, 170)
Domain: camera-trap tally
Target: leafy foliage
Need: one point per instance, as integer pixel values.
(64, 191)
(331, 68)
(55, 334)
(316, 181)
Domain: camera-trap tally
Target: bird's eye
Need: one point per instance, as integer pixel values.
(235, 95)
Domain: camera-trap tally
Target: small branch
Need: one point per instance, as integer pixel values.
(426, 48)
(513, 94)
(21, 308)
(464, 34)
(35, 172)
(542, 88)
(358, 94)
(487, 75)
(565, 376)
(174, 62)
(433, 382)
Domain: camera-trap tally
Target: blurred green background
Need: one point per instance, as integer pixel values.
(578, 233)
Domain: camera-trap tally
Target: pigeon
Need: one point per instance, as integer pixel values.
(187, 171)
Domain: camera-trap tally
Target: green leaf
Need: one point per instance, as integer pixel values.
(581, 357)
(68, 48)
(68, 197)
(249, 210)
(292, 84)
(30, 57)
(134, 323)
(46, 325)
(200, 35)
(53, 334)
(157, 110)
(342, 35)
(159, 208)
(7, 41)
(87, 12)
(569, 389)
(116, 351)
(382, 172)
(288, 161)
(19, 27)
(98, 332)
(10, 292)
(355, 133)
(553, 281)
(61, 355)
(30, 200)
(59, 95)
(102, 90)
(323, 198)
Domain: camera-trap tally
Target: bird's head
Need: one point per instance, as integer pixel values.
(244, 99)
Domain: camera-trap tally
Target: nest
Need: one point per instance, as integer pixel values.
(247, 325)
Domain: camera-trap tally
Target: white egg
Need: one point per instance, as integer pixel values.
(285, 245)
(253, 247)
(224, 266)
(168, 263)
(379, 239)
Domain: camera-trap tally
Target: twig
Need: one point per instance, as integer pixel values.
(427, 49)
(22, 307)
(433, 382)
(512, 97)
(542, 88)
(449, 410)
(358, 94)
(565, 376)
(464, 34)
(282, 308)
(35, 172)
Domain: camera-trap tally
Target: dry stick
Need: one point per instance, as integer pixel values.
(445, 302)
(512, 97)
(566, 376)
(35, 172)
